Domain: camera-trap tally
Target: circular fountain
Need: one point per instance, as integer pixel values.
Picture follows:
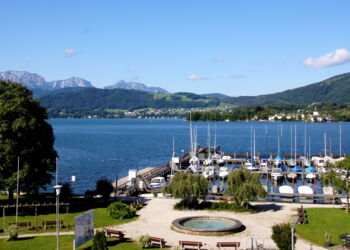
(207, 225)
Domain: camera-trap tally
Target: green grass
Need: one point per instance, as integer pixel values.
(101, 219)
(333, 220)
(66, 242)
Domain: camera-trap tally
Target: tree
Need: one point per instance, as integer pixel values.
(339, 178)
(100, 241)
(104, 187)
(184, 185)
(282, 236)
(24, 133)
(244, 186)
(66, 192)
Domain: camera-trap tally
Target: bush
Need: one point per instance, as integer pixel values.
(100, 241)
(13, 232)
(104, 188)
(281, 235)
(143, 241)
(66, 192)
(119, 210)
(187, 203)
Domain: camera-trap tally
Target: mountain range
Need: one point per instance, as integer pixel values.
(136, 86)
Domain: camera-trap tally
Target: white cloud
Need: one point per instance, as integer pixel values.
(221, 59)
(339, 56)
(70, 52)
(196, 77)
(234, 76)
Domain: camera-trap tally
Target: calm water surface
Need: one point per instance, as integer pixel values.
(93, 148)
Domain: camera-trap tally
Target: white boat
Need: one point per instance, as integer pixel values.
(310, 177)
(252, 167)
(328, 190)
(226, 158)
(285, 189)
(305, 190)
(291, 176)
(223, 172)
(319, 161)
(220, 162)
(343, 201)
(157, 182)
(207, 162)
(276, 174)
(209, 172)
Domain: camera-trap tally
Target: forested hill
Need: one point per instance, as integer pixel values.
(92, 98)
(333, 90)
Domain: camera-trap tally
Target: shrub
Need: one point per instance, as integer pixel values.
(119, 210)
(13, 232)
(143, 241)
(100, 241)
(281, 235)
(187, 203)
(66, 192)
(89, 194)
(104, 188)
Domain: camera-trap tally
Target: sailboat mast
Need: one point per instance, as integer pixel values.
(339, 139)
(291, 141)
(325, 145)
(254, 145)
(278, 141)
(295, 144)
(305, 140)
(209, 152)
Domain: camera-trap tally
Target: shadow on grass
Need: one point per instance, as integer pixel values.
(267, 207)
(25, 238)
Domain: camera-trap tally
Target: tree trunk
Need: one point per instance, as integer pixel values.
(10, 195)
(347, 203)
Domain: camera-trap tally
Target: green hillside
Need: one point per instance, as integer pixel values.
(93, 98)
(333, 90)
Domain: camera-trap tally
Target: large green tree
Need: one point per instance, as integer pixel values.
(185, 184)
(244, 186)
(24, 133)
(339, 178)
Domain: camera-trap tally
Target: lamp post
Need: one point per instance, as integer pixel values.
(58, 191)
(73, 181)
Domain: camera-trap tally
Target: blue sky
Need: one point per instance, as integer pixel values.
(231, 47)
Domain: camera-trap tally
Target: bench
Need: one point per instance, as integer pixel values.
(115, 233)
(196, 244)
(157, 241)
(22, 224)
(51, 223)
(228, 244)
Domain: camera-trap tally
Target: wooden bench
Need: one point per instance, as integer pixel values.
(157, 241)
(196, 244)
(22, 224)
(51, 223)
(228, 244)
(115, 233)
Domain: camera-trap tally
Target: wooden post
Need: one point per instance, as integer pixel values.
(36, 218)
(3, 217)
(67, 207)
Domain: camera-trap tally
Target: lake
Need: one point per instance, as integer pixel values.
(95, 148)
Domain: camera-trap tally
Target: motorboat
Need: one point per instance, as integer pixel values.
(276, 174)
(310, 177)
(193, 168)
(291, 163)
(286, 189)
(223, 172)
(277, 161)
(220, 162)
(319, 161)
(292, 176)
(157, 182)
(226, 158)
(310, 169)
(305, 190)
(209, 172)
(208, 162)
(296, 169)
(252, 167)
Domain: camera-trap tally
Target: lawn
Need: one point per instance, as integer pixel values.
(66, 242)
(101, 219)
(333, 220)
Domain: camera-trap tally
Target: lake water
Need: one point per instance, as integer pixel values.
(94, 148)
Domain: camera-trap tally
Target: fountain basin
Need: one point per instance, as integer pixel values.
(207, 225)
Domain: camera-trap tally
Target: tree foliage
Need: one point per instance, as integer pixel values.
(282, 236)
(104, 187)
(99, 241)
(119, 210)
(24, 133)
(244, 186)
(186, 184)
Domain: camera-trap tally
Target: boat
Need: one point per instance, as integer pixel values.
(296, 169)
(220, 162)
(157, 182)
(209, 172)
(286, 189)
(226, 158)
(277, 161)
(343, 201)
(292, 176)
(310, 169)
(310, 177)
(276, 174)
(305, 190)
(223, 172)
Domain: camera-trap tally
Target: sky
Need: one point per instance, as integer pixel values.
(229, 47)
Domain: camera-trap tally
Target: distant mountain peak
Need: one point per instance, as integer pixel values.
(135, 86)
(72, 82)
